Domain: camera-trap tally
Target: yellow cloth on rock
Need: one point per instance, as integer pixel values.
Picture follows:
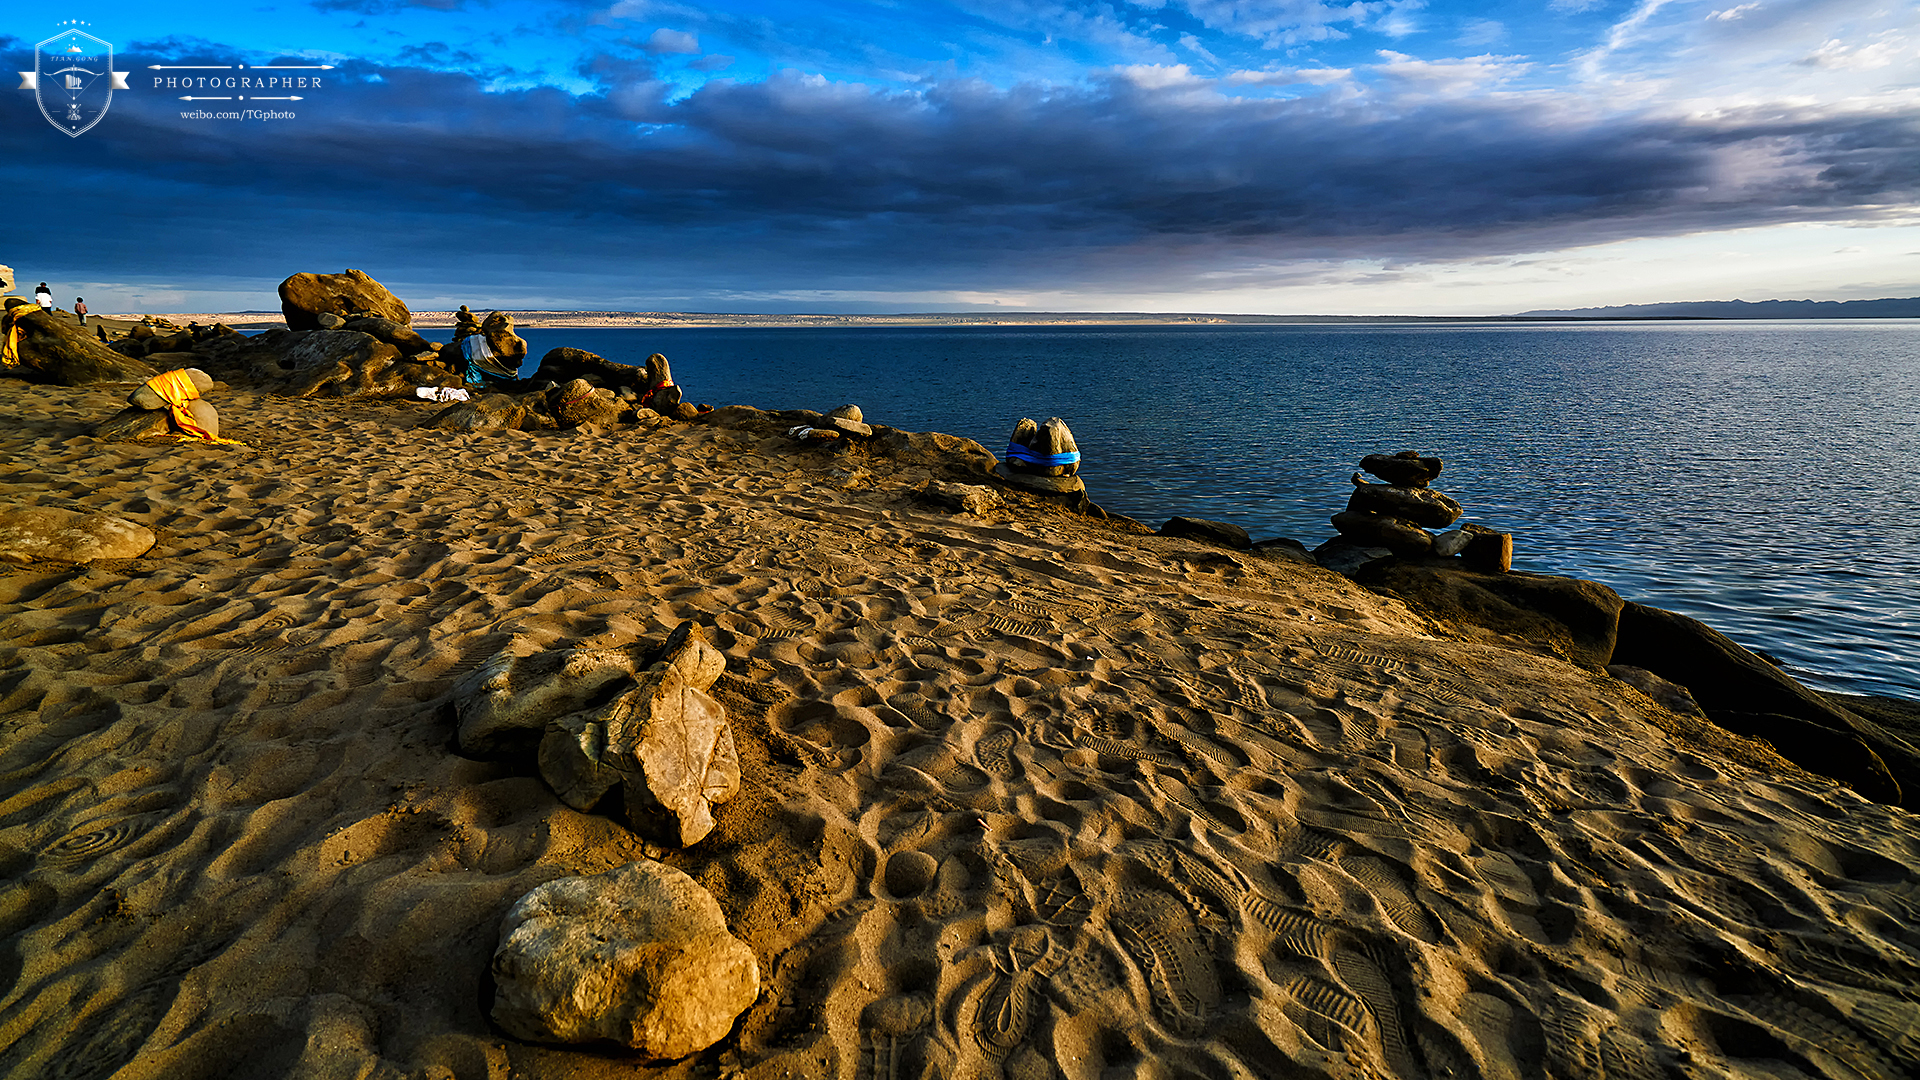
(176, 389)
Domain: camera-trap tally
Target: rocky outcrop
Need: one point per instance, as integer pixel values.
(1575, 620)
(1742, 692)
(1220, 533)
(405, 339)
(30, 533)
(352, 294)
(508, 349)
(640, 956)
(563, 365)
(54, 349)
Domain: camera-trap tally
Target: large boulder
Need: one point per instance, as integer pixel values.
(496, 412)
(1566, 617)
(640, 956)
(1742, 692)
(565, 364)
(303, 297)
(1405, 469)
(1397, 535)
(28, 533)
(404, 338)
(55, 349)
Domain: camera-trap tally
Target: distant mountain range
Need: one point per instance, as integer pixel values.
(1742, 309)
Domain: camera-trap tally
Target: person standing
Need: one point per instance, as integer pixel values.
(80, 309)
(44, 297)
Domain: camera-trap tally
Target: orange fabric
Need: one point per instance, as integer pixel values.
(10, 349)
(176, 389)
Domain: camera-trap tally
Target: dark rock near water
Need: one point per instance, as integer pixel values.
(1038, 482)
(563, 365)
(1284, 548)
(1669, 694)
(1419, 505)
(1488, 550)
(55, 349)
(1345, 555)
(304, 297)
(1406, 468)
(1377, 530)
(1570, 618)
(1745, 694)
(1223, 533)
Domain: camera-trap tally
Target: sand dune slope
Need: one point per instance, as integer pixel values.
(1026, 796)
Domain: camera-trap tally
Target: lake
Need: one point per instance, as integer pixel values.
(1761, 476)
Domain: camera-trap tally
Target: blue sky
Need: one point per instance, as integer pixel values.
(1288, 156)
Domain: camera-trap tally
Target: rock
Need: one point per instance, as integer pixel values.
(148, 398)
(205, 416)
(1406, 468)
(509, 701)
(1670, 694)
(659, 392)
(1422, 506)
(973, 499)
(134, 423)
(847, 412)
(1570, 618)
(676, 746)
(1225, 534)
(640, 956)
(1046, 485)
(563, 365)
(1284, 548)
(579, 402)
(329, 321)
(1745, 694)
(492, 412)
(1488, 550)
(509, 348)
(689, 653)
(850, 427)
(6, 279)
(1343, 555)
(573, 756)
(53, 349)
(1032, 445)
(1376, 530)
(404, 338)
(1451, 543)
(813, 434)
(46, 532)
(303, 297)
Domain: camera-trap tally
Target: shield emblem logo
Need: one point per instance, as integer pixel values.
(73, 80)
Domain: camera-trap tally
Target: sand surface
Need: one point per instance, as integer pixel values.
(1025, 795)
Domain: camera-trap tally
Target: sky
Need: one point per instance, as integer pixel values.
(1422, 157)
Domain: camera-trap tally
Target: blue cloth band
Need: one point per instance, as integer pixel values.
(1016, 452)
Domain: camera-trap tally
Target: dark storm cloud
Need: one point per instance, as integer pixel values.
(794, 182)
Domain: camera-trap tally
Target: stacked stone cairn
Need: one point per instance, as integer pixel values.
(1397, 515)
(847, 421)
(1042, 457)
(148, 416)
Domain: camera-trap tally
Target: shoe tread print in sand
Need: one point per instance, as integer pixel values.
(1030, 797)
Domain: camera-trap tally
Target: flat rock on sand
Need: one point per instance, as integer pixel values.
(1022, 793)
(29, 533)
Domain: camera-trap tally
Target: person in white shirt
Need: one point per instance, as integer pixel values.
(44, 297)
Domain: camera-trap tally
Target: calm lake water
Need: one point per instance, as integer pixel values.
(1763, 477)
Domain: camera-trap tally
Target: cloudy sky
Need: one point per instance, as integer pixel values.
(1286, 156)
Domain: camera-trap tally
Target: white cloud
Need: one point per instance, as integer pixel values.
(1452, 76)
(1733, 13)
(1481, 32)
(672, 41)
(1314, 76)
(1834, 54)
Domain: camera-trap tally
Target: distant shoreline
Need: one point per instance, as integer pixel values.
(431, 320)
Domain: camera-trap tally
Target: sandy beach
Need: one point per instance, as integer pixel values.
(1026, 794)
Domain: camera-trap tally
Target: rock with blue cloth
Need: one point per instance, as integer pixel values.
(485, 351)
(1042, 457)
